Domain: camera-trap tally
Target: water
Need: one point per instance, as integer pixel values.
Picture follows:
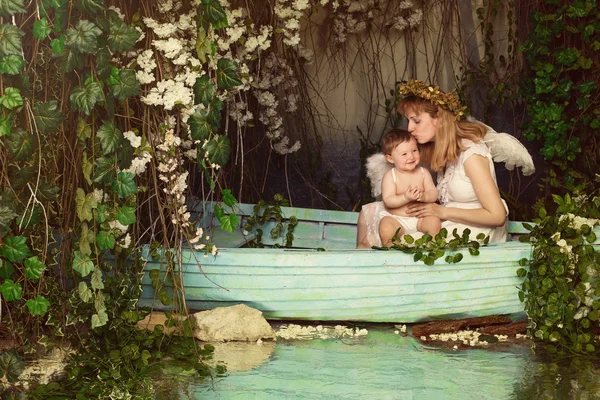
(385, 365)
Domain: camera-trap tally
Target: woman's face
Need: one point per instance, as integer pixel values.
(422, 126)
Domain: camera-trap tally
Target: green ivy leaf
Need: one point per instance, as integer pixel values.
(58, 44)
(214, 113)
(21, 144)
(105, 240)
(84, 37)
(69, 60)
(85, 294)
(5, 126)
(18, 178)
(228, 198)
(11, 64)
(227, 76)
(85, 238)
(229, 222)
(204, 90)
(126, 215)
(218, 149)
(38, 306)
(200, 129)
(10, 40)
(34, 268)
(12, 98)
(203, 44)
(11, 290)
(82, 263)
(11, 7)
(110, 137)
(47, 116)
(41, 28)
(214, 13)
(122, 37)
(96, 280)
(11, 366)
(6, 269)
(85, 97)
(90, 6)
(127, 85)
(15, 248)
(105, 170)
(124, 184)
(102, 213)
(99, 319)
(85, 205)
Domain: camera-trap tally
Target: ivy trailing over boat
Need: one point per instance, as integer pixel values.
(428, 249)
(264, 212)
(560, 287)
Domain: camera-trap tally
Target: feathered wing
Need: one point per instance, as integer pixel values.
(507, 149)
(377, 166)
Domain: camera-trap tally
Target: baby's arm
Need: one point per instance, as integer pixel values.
(388, 193)
(430, 192)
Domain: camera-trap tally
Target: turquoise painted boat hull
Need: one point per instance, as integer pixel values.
(346, 284)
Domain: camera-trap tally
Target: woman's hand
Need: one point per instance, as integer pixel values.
(422, 210)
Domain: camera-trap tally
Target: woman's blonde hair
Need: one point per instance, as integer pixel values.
(446, 147)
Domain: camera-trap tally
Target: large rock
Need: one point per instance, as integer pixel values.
(236, 323)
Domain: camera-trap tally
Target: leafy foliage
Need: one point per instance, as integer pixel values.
(264, 212)
(560, 288)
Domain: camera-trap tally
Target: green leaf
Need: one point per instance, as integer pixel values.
(11, 367)
(47, 116)
(11, 64)
(85, 238)
(126, 215)
(5, 127)
(41, 28)
(11, 290)
(38, 306)
(124, 184)
(29, 218)
(84, 37)
(11, 7)
(200, 129)
(228, 198)
(90, 6)
(204, 90)
(85, 205)
(85, 97)
(82, 263)
(99, 319)
(18, 178)
(105, 240)
(110, 137)
(127, 85)
(58, 45)
(214, 113)
(214, 13)
(34, 268)
(227, 76)
(69, 60)
(10, 40)
(6, 269)
(21, 144)
(122, 37)
(218, 149)
(12, 98)
(105, 170)
(96, 280)
(203, 44)
(85, 293)
(15, 248)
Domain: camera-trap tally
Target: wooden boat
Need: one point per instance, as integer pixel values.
(324, 278)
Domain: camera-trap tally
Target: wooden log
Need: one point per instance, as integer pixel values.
(449, 326)
(510, 329)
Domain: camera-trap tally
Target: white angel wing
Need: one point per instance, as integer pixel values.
(507, 149)
(377, 166)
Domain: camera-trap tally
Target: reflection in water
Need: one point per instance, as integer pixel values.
(384, 365)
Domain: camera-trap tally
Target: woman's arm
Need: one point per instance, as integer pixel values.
(430, 192)
(491, 213)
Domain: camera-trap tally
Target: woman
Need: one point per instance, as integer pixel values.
(454, 148)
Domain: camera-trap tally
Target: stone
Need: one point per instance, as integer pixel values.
(158, 318)
(235, 323)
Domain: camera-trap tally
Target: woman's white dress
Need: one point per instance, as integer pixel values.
(455, 190)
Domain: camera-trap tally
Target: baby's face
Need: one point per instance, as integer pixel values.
(405, 156)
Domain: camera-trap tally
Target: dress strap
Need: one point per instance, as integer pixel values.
(394, 175)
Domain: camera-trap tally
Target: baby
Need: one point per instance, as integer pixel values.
(407, 182)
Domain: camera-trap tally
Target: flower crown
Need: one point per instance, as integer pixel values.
(434, 94)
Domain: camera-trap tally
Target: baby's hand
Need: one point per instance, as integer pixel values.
(413, 193)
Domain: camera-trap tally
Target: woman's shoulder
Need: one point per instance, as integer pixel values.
(471, 147)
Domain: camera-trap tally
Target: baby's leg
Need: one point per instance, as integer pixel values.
(430, 225)
(387, 228)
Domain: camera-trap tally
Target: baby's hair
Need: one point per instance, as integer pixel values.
(393, 138)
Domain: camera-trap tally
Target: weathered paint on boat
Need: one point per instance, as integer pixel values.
(345, 284)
